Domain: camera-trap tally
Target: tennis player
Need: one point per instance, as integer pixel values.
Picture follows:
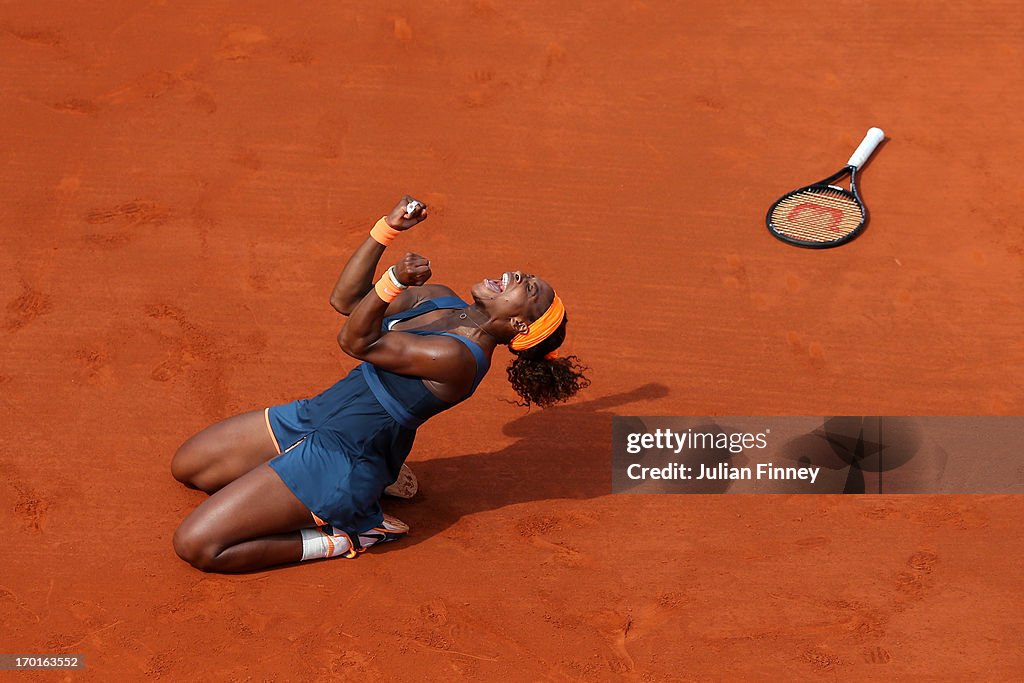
(303, 481)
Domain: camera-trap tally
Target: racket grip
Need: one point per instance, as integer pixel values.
(866, 147)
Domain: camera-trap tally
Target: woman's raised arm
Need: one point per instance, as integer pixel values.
(356, 280)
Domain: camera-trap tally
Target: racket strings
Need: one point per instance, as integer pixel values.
(817, 215)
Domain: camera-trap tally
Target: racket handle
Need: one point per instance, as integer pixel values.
(866, 147)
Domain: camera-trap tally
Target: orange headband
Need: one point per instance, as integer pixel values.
(541, 328)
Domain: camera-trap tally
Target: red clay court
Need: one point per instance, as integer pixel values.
(182, 183)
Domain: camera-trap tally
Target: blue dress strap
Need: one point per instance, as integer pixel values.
(391, 404)
(424, 307)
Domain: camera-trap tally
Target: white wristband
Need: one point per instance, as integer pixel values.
(394, 279)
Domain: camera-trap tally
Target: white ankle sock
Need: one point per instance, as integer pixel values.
(317, 544)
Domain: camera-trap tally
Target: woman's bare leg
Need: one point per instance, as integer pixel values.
(251, 523)
(224, 451)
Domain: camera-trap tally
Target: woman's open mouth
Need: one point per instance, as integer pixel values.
(498, 285)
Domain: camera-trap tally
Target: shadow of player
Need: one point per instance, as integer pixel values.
(562, 452)
(870, 455)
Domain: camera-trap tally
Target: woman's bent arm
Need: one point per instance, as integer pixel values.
(363, 328)
(357, 277)
(356, 280)
(436, 358)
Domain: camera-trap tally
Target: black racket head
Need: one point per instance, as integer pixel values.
(818, 216)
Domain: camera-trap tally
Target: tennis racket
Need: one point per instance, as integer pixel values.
(825, 215)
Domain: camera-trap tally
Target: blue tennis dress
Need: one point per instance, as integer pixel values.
(343, 447)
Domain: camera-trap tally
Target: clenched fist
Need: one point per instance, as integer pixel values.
(413, 270)
(401, 219)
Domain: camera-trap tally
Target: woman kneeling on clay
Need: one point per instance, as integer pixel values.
(303, 481)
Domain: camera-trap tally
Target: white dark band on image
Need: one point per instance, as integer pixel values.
(41, 662)
(839, 454)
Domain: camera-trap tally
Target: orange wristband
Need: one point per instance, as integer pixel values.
(386, 288)
(384, 233)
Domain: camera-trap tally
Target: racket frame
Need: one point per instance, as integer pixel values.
(824, 184)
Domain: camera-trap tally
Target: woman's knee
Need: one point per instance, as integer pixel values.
(195, 462)
(186, 464)
(194, 549)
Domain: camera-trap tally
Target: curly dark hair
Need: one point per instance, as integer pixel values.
(546, 381)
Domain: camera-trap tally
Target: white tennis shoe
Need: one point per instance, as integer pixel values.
(391, 530)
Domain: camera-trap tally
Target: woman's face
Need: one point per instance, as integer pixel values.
(515, 296)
